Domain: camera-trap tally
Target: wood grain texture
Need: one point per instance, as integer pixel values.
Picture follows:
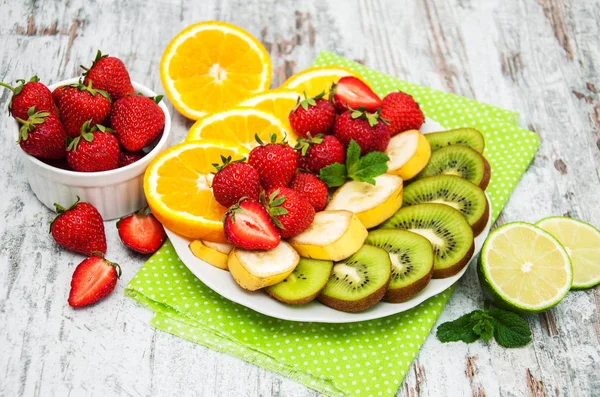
(538, 57)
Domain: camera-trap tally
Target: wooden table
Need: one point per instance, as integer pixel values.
(540, 58)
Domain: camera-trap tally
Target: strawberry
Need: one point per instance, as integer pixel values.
(58, 163)
(141, 232)
(275, 162)
(318, 152)
(126, 158)
(364, 128)
(138, 121)
(27, 95)
(79, 228)
(109, 74)
(314, 115)
(402, 112)
(311, 187)
(291, 212)
(248, 226)
(352, 93)
(234, 180)
(93, 279)
(42, 135)
(78, 103)
(96, 149)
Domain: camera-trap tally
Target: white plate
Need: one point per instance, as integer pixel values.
(221, 282)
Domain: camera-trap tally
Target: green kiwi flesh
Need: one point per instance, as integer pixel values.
(304, 284)
(454, 191)
(358, 282)
(461, 136)
(448, 231)
(412, 261)
(460, 161)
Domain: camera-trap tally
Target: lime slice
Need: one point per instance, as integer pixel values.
(524, 269)
(582, 242)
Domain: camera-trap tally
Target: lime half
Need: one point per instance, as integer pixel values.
(582, 242)
(524, 269)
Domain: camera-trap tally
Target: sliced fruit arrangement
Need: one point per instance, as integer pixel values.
(461, 136)
(304, 284)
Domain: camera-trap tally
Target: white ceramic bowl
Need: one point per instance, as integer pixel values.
(114, 193)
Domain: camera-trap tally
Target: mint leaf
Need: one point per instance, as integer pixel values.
(510, 329)
(334, 174)
(352, 155)
(459, 329)
(369, 166)
(362, 169)
(484, 326)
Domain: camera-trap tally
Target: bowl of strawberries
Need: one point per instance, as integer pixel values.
(91, 136)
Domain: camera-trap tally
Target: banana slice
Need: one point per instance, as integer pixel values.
(253, 270)
(212, 253)
(372, 204)
(409, 153)
(333, 235)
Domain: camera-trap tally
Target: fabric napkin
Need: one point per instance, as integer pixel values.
(368, 358)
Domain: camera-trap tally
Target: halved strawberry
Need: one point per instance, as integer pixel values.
(141, 232)
(248, 225)
(93, 279)
(352, 93)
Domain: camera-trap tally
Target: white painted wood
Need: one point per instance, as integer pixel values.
(540, 58)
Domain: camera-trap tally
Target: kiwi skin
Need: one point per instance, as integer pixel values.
(302, 301)
(355, 306)
(454, 270)
(481, 223)
(405, 293)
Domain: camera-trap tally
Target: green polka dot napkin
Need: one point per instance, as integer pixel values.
(359, 359)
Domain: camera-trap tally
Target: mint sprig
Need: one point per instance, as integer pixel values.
(509, 329)
(362, 169)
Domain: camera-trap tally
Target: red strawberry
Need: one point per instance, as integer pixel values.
(96, 149)
(402, 112)
(43, 135)
(78, 103)
(58, 163)
(319, 152)
(364, 128)
(292, 213)
(311, 187)
(248, 226)
(234, 180)
(312, 115)
(79, 228)
(276, 163)
(93, 279)
(141, 232)
(138, 121)
(126, 158)
(109, 74)
(30, 94)
(352, 93)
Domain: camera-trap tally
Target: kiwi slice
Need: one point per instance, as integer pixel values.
(460, 161)
(454, 191)
(359, 281)
(461, 136)
(304, 284)
(412, 261)
(448, 231)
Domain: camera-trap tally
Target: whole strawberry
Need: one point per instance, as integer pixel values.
(362, 127)
(42, 135)
(93, 279)
(137, 121)
(109, 74)
(247, 225)
(79, 228)
(275, 162)
(126, 158)
(78, 103)
(291, 212)
(402, 112)
(234, 180)
(96, 149)
(311, 187)
(312, 115)
(319, 152)
(27, 95)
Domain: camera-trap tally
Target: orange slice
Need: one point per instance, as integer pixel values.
(211, 66)
(313, 81)
(279, 102)
(238, 127)
(177, 185)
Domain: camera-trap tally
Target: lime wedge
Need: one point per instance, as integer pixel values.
(524, 269)
(582, 242)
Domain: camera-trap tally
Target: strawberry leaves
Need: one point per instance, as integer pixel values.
(362, 169)
(273, 206)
